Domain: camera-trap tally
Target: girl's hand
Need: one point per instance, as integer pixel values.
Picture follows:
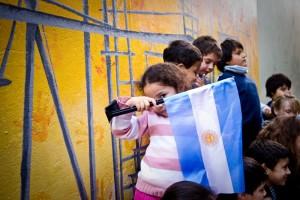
(267, 112)
(142, 103)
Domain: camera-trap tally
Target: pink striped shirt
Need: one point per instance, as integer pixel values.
(160, 166)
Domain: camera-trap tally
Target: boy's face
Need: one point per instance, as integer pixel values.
(208, 63)
(258, 194)
(282, 91)
(238, 58)
(192, 73)
(279, 174)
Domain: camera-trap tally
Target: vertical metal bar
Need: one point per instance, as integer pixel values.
(7, 49)
(46, 43)
(6, 53)
(31, 4)
(128, 49)
(28, 104)
(109, 84)
(115, 24)
(66, 134)
(146, 58)
(88, 77)
(183, 17)
(192, 19)
(138, 157)
(107, 57)
(27, 119)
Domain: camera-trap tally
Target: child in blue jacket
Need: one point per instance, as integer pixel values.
(234, 64)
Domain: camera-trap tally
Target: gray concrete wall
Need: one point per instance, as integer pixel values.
(279, 41)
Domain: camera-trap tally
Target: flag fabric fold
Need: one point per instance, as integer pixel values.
(207, 126)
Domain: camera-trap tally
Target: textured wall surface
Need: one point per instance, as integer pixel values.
(279, 44)
(115, 66)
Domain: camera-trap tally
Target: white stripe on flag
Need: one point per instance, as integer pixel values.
(211, 143)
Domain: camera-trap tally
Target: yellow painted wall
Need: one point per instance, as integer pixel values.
(51, 173)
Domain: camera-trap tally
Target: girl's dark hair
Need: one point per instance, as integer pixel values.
(167, 74)
(228, 46)
(188, 190)
(207, 44)
(276, 81)
(182, 52)
(254, 175)
(267, 152)
(283, 130)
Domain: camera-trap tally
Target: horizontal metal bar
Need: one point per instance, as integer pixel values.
(36, 17)
(133, 175)
(128, 82)
(144, 146)
(117, 53)
(152, 53)
(191, 31)
(132, 156)
(143, 12)
(129, 186)
(124, 159)
(72, 10)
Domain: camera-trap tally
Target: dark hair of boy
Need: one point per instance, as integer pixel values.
(207, 44)
(276, 81)
(166, 73)
(187, 190)
(254, 175)
(182, 52)
(228, 46)
(267, 152)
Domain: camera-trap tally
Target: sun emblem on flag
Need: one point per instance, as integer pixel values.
(209, 137)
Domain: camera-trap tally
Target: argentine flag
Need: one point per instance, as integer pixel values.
(207, 126)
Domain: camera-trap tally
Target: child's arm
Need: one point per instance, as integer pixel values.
(128, 126)
(266, 110)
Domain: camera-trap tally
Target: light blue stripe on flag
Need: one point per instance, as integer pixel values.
(219, 110)
(230, 119)
(185, 134)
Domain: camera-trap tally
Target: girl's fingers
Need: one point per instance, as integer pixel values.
(141, 103)
(153, 102)
(147, 104)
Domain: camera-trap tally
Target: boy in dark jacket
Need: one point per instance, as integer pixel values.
(234, 64)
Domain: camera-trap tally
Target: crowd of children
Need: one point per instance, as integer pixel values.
(271, 132)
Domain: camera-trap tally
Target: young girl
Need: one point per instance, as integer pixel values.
(286, 106)
(160, 166)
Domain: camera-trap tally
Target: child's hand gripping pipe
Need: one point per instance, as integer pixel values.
(113, 109)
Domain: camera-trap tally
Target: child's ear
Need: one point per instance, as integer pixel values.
(272, 94)
(180, 65)
(242, 196)
(267, 170)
